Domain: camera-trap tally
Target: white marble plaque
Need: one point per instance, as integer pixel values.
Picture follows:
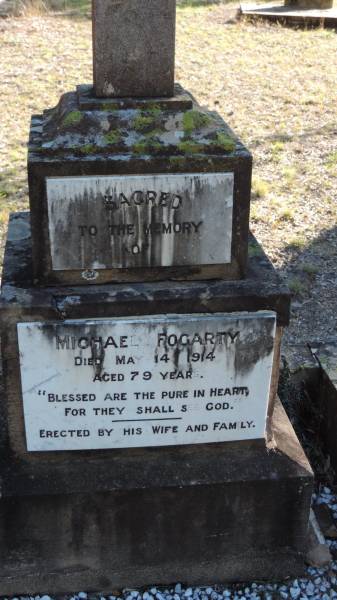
(146, 381)
(115, 222)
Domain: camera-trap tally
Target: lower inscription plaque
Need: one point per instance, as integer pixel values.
(145, 381)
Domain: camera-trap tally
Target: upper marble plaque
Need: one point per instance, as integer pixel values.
(120, 222)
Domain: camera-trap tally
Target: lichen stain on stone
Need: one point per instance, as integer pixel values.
(97, 355)
(72, 118)
(68, 130)
(108, 89)
(176, 356)
(256, 342)
(90, 275)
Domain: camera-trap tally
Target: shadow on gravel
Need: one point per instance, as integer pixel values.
(328, 128)
(310, 271)
(300, 395)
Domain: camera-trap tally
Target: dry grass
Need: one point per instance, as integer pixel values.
(275, 86)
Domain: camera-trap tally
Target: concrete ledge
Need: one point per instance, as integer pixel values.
(262, 289)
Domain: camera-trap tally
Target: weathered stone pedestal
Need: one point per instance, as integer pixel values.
(136, 189)
(135, 516)
(210, 513)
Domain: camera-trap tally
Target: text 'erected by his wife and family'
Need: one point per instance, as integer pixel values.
(146, 381)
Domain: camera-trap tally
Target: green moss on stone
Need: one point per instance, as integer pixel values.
(108, 106)
(72, 118)
(154, 111)
(154, 133)
(113, 137)
(147, 145)
(177, 161)
(142, 122)
(225, 141)
(194, 119)
(87, 149)
(153, 106)
(190, 147)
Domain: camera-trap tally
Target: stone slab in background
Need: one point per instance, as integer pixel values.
(276, 11)
(134, 47)
(99, 532)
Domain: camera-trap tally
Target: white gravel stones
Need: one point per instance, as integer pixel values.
(319, 584)
(295, 592)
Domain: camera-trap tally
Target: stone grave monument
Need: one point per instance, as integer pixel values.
(142, 439)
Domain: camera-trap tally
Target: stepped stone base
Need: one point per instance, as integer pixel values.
(156, 147)
(214, 513)
(22, 301)
(103, 520)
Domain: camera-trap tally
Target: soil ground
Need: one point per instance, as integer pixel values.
(276, 88)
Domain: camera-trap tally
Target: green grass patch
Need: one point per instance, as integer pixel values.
(80, 8)
(331, 161)
(289, 174)
(286, 214)
(254, 250)
(309, 268)
(296, 286)
(276, 148)
(196, 3)
(296, 242)
(260, 187)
